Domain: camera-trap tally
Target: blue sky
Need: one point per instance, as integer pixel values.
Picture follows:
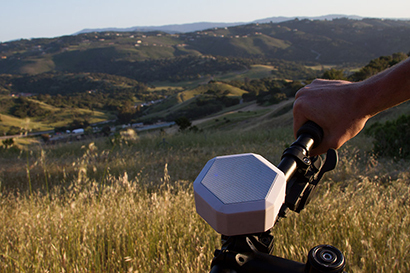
(51, 18)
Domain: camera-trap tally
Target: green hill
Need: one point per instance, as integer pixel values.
(197, 102)
(196, 74)
(49, 118)
(151, 56)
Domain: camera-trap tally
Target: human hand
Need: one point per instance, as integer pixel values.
(334, 106)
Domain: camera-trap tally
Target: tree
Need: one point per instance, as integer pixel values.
(88, 130)
(276, 98)
(45, 137)
(13, 130)
(334, 74)
(377, 65)
(183, 123)
(78, 123)
(106, 130)
(126, 112)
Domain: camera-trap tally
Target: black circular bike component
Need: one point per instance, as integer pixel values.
(325, 258)
(313, 130)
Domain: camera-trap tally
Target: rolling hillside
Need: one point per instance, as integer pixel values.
(196, 74)
(130, 54)
(53, 117)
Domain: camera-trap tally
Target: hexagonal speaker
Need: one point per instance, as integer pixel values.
(239, 194)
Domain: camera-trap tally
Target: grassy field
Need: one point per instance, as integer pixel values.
(185, 98)
(127, 205)
(256, 72)
(58, 117)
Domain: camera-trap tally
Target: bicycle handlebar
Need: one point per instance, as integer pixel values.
(250, 253)
(310, 135)
(314, 132)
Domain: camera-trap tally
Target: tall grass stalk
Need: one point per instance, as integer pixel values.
(28, 173)
(144, 219)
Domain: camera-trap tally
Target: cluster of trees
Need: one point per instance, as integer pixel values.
(76, 90)
(25, 108)
(75, 124)
(211, 101)
(267, 90)
(126, 112)
(70, 83)
(181, 68)
(377, 65)
(372, 68)
(48, 45)
(293, 71)
(94, 91)
(97, 101)
(109, 60)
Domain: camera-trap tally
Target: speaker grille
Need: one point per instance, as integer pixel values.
(237, 179)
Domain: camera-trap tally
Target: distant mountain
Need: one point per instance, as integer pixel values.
(329, 17)
(172, 29)
(183, 28)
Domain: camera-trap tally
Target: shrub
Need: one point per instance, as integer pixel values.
(8, 142)
(278, 97)
(391, 139)
(13, 131)
(106, 130)
(45, 137)
(183, 123)
(334, 74)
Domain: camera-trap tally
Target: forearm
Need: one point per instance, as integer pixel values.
(386, 89)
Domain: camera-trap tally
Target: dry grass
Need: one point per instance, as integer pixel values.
(118, 228)
(129, 207)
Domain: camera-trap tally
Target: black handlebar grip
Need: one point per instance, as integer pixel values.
(312, 129)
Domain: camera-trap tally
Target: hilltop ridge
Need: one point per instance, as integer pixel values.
(142, 55)
(199, 26)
